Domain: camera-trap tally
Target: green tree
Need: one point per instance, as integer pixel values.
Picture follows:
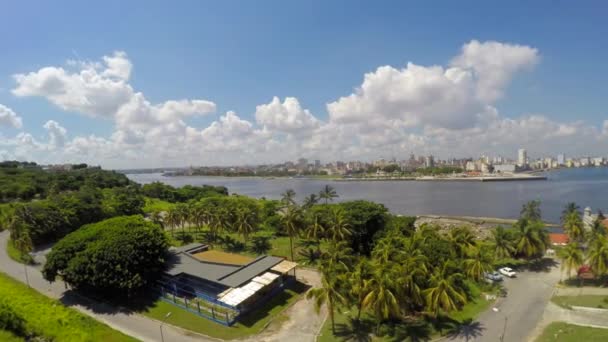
(531, 211)
(572, 257)
(462, 239)
(597, 256)
(532, 239)
(116, 256)
(502, 242)
(328, 293)
(288, 198)
(23, 243)
(292, 222)
(338, 228)
(315, 230)
(445, 292)
(570, 208)
(245, 223)
(573, 225)
(328, 193)
(381, 298)
(478, 262)
(309, 201)
(359, 281)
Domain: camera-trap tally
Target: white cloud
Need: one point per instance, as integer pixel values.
(57, 134)
(444, 110)
(9, 118)
(287, 117)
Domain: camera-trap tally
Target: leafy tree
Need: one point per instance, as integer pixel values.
(10, 320)
(115, 256)
(23, 243)
(570, 208)
(365, 219)
(478, 262)
(533, 239)
(328, 294)
(573, 225)
(328, 193)
(310, 201)
(462, 240)
(359, 283)
(339, 228)
(572, 257)
(315, 230)
(245, 222)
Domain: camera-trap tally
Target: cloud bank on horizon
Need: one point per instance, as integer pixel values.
(443, 110)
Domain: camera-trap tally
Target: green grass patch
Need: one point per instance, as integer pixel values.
(248, 325)
(591, 301)
(564, 332)
(49, 318)
(14, 254)
(7, 336)
(155, 204)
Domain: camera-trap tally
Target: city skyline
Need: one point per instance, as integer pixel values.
(247, 93)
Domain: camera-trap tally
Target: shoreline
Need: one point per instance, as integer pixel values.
(522, 177)
(478, 219)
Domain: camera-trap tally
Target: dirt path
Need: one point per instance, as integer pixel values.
(303, 322)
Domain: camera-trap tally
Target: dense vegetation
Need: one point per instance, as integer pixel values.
(25, 181)
(47, 220)
(117, 256)
(33, 316)
(186, 193)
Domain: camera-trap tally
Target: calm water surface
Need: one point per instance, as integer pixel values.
(586, 187)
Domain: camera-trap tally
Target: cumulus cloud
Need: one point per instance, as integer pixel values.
(9, 118)
(57, 134)
(288, 116)
(446, 110)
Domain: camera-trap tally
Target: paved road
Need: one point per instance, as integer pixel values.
(518, 314)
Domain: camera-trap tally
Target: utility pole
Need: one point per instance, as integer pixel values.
(162, 338)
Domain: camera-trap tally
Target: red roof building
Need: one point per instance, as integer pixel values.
(559, 239)
(605, 222)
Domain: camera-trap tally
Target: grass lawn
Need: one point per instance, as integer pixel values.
(592, 301)
(50, 319)
(155, 204)
(564, 332)
(14, 254)
(6, 336)
(250, 324)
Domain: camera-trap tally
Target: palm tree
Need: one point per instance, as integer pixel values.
(23, 243)
(381, 298)
(288, 197)
(244, 223)
(445, 293)
(315, 231)
(339, 228)
(328, 193)
(173, 220)
(329, 293)
(502, 243)
(462, 239)
(571, 257)
(292, 221)
(477, 263)
(531, 211)
(157, 217)
(359, 281)
(532, 240)
(597, 256)
(310, 201)
(573, 225)
(571, 207)
(412, 275)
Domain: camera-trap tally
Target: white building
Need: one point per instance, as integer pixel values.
(561, 159)
(522, 157)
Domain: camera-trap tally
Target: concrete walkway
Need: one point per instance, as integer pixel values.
(299, 326)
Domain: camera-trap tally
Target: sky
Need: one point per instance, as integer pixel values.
(129, 84)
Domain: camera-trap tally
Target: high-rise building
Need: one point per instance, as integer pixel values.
(317, 164)
(429, 161)
(302, 163)
(522, 157)
(561, 159)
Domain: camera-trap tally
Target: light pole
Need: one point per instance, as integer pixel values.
(162, 338)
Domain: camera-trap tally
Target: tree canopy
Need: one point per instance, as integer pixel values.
(118, 255)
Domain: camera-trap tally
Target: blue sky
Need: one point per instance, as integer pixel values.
(239, 55)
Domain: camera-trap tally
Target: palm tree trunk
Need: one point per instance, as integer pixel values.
(331, 316)
(359, 307)
(291, 246)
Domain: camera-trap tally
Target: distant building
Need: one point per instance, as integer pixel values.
(317, 164)
(522, 157)
(559, 239)
(505, 168)
(561, 159)
(429, 161)
(588, 218)
(302, 163)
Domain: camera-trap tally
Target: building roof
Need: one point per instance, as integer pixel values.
(605, 222)
(250, 271)
(188, 248)
(181, 262)
(558, 238)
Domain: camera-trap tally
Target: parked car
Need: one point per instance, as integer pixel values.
(507, 271)
(493, 276)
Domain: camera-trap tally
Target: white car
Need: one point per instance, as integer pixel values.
(507, 271)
